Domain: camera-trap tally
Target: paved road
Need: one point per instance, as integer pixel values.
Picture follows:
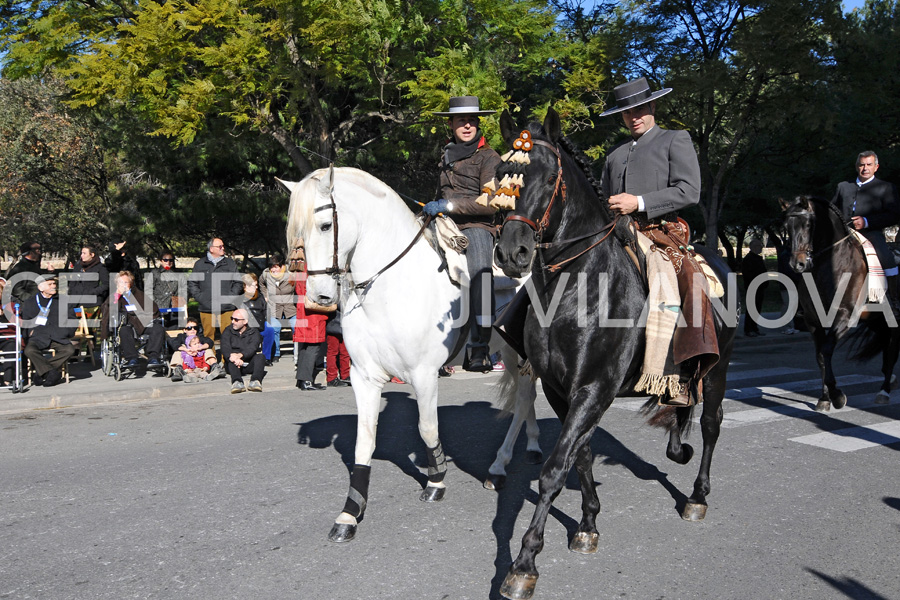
(185, 492)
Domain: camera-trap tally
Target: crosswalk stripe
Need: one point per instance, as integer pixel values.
(854, 438)
(785, 391)
(757, 373)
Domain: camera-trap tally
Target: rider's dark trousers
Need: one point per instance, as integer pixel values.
(480, 255)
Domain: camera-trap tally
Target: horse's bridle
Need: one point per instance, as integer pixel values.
(559, 189)
(335, 269)
(807, 247)
(538, 228)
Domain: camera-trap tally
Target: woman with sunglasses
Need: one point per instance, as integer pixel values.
(178, 344)
(169, 284)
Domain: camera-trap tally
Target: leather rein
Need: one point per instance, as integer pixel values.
(540, 227)
(335, 269)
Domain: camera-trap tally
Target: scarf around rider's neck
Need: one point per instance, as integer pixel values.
(214, 259)
(455, 151)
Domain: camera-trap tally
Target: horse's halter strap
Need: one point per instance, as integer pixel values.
(334, 270)
(807, 248)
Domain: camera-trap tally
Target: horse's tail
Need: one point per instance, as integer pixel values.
(506, 391)
(869, 339)
(665, 416)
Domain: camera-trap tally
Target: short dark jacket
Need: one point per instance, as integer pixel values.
(876, 201)
(202, 289)
(461, 182)
(246, 343)
(662, 168)
(42, 335)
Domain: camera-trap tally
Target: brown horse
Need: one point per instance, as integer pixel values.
(832, 295)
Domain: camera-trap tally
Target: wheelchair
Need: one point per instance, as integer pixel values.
(111, 360)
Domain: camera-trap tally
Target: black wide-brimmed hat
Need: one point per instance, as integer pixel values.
(634, 93)
(464, 105)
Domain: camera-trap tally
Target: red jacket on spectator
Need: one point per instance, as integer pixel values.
(310, 327)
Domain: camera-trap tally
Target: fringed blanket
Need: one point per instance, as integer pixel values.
(877, 281)
(658, 373)
(453, 244)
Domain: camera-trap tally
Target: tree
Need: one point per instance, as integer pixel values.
(56, 176)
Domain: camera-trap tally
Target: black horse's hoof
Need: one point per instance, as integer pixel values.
(432, 494)
(518, 586)
(494, 482)
(694, 511)
(882, 397)
(534, 457)
(823, 406)
(839, 401)
(585, 543)
(342, 532)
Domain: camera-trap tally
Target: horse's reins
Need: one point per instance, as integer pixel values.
(336, 271)
(559, 189)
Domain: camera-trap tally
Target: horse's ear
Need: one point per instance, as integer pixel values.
(326, 184)
(290, 186)
(508, 128)
(551, 125)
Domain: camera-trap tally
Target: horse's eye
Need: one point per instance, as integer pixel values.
(325, 227)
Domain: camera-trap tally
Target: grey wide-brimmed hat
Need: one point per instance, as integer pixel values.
(634, 93)
(464, 105)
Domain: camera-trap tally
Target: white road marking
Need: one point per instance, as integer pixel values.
(854, 438)
(759, 373)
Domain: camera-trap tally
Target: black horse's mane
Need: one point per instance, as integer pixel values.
(835, 212)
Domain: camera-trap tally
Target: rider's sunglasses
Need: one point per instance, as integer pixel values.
(168, 259)
(189, 327)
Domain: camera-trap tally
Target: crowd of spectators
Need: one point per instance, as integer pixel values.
(194, 326)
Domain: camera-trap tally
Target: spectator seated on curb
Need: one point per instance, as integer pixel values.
(241, 355)
(201, 352)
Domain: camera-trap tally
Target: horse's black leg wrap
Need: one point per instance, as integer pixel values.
(359, 491)
(437, 464)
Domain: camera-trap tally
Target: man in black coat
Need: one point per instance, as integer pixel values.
(24, 287)
(216, 286)
(869, 205)
(45, 330)
(240, 353)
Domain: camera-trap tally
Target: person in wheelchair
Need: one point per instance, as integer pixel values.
(126, 306)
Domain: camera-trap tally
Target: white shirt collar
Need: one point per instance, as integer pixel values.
(862, 183)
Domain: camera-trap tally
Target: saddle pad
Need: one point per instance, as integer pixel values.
(876, 280)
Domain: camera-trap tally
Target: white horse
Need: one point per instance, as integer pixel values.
(400, 311)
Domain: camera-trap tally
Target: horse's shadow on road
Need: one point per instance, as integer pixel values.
(470, 435)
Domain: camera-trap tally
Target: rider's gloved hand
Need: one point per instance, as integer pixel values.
(438, 206)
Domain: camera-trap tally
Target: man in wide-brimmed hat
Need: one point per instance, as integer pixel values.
(649, 177)
(468, 164)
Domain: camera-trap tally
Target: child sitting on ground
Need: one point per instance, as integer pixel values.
(198, 363)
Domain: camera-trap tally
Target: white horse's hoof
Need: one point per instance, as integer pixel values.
(882, 397)
(432, 494)
(342, 532)
(494, 482)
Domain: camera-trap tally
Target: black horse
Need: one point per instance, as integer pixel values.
(822, 246)
(584, 363)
